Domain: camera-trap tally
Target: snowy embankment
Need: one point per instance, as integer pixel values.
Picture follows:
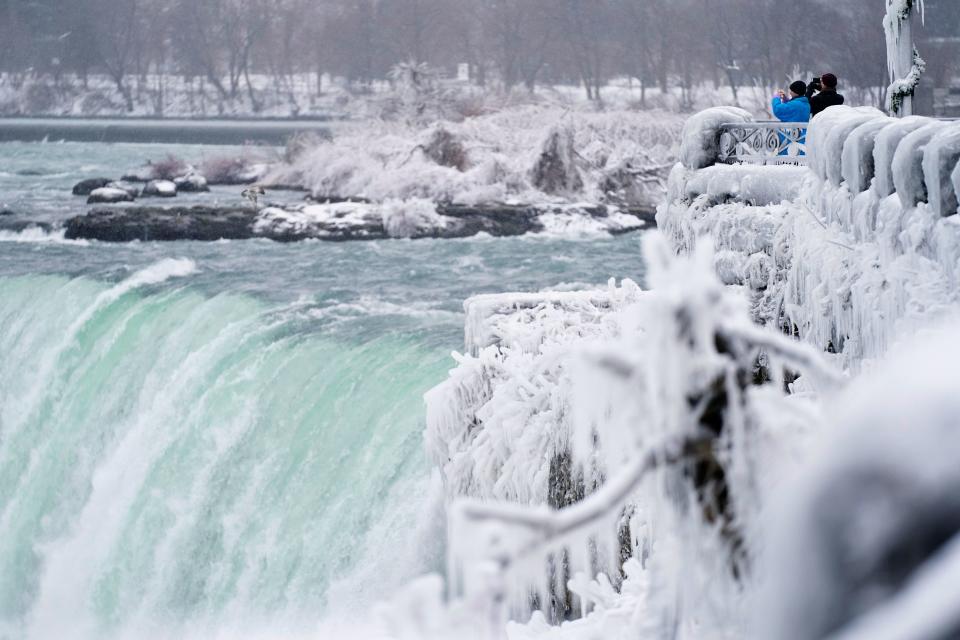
(761, 487)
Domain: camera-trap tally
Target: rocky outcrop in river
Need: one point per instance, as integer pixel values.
(341, 221)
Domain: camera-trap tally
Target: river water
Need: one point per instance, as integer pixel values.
(225, 439)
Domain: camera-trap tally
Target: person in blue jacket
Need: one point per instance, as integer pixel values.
(796, 109)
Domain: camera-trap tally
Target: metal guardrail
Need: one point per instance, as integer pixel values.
(763, 143)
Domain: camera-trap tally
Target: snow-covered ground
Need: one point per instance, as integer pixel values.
(764, 487)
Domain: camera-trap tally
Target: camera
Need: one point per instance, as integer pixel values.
(815, 84)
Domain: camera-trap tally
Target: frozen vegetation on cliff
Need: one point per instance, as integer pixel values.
(788, 480)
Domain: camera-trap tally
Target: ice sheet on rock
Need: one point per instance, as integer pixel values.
(886, 146)
(574, 221)
(907, 164)
(701, 135)
(940, 158)
(857, 158)
(342, 215)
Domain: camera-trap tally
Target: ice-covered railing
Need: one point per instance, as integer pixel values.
(730, 135)
(861, 243)
(763, 143)
(863, 151)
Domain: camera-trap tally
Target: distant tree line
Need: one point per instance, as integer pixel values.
(507, 43)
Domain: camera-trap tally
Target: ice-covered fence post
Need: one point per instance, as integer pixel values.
(903, 60)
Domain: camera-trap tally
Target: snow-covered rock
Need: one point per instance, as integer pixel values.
(129, 187)
(192, 183)
(160, 189)
(108, 195)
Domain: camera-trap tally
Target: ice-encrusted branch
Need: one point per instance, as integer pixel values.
(795, 353)
(553, 525)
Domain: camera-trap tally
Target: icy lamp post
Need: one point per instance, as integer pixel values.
(903, 60)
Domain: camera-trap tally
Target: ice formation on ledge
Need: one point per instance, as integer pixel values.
(496, 426)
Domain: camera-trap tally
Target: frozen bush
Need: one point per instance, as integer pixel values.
(168, 168)
(232, 170)
(446, 149)
(301, 143)
(380, 160)
(38, 97)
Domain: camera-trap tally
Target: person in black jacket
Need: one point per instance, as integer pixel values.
(827, 96)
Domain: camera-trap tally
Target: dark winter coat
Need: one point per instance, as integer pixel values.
(824, 99)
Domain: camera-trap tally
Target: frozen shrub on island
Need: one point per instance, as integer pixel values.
(241, 169)
(512, 156)
(168, 168)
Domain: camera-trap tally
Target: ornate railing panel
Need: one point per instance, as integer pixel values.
(763, 143)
